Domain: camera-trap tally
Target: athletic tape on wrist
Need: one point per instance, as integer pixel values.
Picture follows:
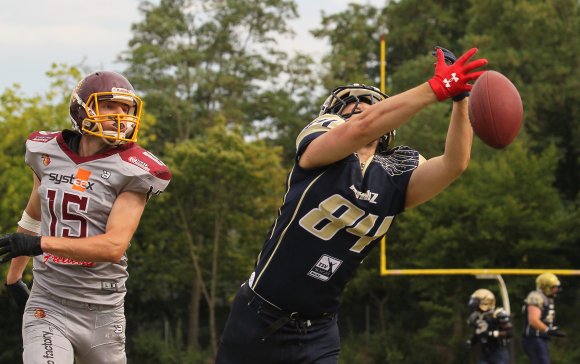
(28, 223)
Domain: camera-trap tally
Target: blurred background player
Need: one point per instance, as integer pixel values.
(91, 185)
(492, 328)
(539, 318)
(345, 189)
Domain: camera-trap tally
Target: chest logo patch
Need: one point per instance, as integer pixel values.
(365, 196)
(81, 180)
(45, 159)
(324, 268)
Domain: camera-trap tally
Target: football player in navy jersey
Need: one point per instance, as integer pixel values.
(90, 188)
(492, 328)
(539, 318)
(346, 187)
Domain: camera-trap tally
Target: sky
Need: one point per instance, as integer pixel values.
(36, 33)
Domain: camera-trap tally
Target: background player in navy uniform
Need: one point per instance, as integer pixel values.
(90, 189)
(539, 319)
(342, 194)
(492, 328)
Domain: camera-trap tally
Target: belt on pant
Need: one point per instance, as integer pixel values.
(77, 304)
(259, 303)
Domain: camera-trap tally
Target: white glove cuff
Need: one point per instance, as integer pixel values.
(28, 223)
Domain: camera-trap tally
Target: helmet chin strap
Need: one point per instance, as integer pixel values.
(110, 133)
(113, 134)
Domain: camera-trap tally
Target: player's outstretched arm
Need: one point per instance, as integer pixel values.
(367, 126)
(433, 176)
(377, 119)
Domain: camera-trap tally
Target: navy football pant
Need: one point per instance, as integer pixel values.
(495, 355)
(536, 349)
(295, 342)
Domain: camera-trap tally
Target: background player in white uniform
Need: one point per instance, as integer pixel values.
(345, 189)
(90, 189)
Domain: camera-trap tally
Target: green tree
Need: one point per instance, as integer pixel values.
(535, 43)
(221, 200)
(195, 59)
(354, 56)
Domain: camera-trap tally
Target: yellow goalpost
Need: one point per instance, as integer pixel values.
(385, 271)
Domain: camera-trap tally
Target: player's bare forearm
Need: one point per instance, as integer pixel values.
(17, 267)
(534, 318)
(395, 111)
(362, 129)
(98, 248)
(433, 176)
(107, 247)
(459, 140)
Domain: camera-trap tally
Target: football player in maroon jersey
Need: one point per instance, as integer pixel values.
(91, 185)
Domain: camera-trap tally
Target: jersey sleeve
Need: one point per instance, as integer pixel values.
(150, 175)
(535, 299)
(35, 155)
(315, 129)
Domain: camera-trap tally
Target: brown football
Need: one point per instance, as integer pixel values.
(495, 109)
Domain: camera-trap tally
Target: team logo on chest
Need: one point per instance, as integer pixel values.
(325, 267)
(80, 182)
(365, 196)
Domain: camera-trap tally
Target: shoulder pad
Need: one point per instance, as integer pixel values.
(147, 161)
(42, 136)
(535, 298)
(322, 123)
(398, 160)
(473, 317)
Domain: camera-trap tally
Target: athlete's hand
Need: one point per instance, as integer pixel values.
(555, 332)
(452, 80)
(18, 293)
(17, 245)
(499, 333)
(450, 58)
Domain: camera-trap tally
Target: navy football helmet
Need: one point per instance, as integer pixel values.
(356, 93)
(547, 282)
(482, 299)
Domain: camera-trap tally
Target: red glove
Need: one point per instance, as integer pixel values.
(451, 80)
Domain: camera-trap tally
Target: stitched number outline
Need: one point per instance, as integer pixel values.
(68, 199)
(336, 213)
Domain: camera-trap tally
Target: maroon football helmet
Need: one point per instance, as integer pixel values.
(99, 87)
